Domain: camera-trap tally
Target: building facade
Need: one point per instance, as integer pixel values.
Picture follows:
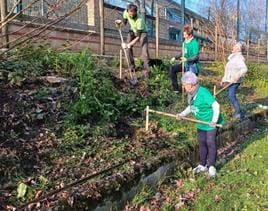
(83, 26)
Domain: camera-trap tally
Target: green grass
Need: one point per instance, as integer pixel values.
(88, 126)
(242, 184)
(143, 196)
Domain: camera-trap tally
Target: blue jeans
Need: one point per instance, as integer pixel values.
(173, 71)
(232, 97)
(192, 68)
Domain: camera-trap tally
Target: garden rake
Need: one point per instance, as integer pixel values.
(182, 72)
(148, 110)
(215, 92)
(133, 79)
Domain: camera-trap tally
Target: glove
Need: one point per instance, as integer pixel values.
(125, 45)
(173, 60)
(118, 23)
(183, 60)
(179, 116)
(212, 124)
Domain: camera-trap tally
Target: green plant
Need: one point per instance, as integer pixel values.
(73, 135)
(94, 94)
(167, 207)
(145, 194)
(160, 87)
(115, 62)
(257, 78)
(43, 181)
(139, 63)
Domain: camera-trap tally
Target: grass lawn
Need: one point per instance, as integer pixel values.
(242, 184)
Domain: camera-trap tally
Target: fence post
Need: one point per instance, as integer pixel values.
(3, 10)
(258, 50)
(216, 43)
(247, 49)
(157, 25)
(101, 11)
(120, 63)
(267, 51)
(91, 12)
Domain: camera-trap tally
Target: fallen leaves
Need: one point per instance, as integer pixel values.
(179, 183)
(38, 194)
(144, 208)
(217, 198)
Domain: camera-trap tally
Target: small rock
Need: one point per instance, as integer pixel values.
(54, 79)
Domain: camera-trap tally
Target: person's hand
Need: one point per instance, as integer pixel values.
(212, 124)
(183, 60)
(222, 82)
(179, 116)
(125, 45)
(118, 23)
(172, 60)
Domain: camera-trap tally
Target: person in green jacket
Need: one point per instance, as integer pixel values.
(190, 58)
(137, 34)
(204, 107)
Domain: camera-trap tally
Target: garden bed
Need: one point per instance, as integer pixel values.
(55, 133)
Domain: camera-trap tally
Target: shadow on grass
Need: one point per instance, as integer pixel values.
(228, 153)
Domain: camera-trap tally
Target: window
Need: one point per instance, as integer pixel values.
(118, 3)
(19, 6)
(174, 15)
(174, 34)
(150, 27)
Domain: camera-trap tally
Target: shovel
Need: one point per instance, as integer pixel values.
(133, 79)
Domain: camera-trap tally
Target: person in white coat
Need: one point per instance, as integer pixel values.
(235, 69)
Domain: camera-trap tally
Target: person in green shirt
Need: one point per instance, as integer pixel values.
(204, 107)
(190, 58)
(137, 34)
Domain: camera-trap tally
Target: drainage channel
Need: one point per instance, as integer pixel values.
(163, 166)
(229, 133)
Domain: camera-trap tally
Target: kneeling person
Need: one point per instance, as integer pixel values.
(190, 59)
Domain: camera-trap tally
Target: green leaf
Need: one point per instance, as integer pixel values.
(43, 179)
(22, 189)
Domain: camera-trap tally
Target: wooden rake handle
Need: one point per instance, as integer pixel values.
(173, 116)
(222, 89)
